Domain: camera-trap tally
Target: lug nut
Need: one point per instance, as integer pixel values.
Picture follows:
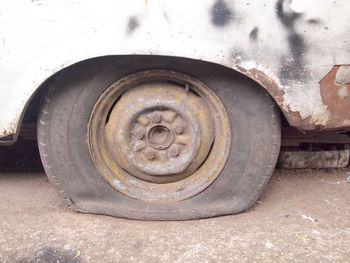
(149, 153)
(156, 117)
(139, 133)
(179, 129)
(174, 150)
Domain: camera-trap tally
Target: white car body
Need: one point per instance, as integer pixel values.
(286, 46)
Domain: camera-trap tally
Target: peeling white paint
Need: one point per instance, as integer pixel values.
(343, 75)
(343, 92)
(306, 99)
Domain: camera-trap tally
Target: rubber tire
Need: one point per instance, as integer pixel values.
(63, 140)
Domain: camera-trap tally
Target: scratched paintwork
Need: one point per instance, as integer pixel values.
(287, 46)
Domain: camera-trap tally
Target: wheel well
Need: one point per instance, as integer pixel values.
(30, 112)
(291, 137)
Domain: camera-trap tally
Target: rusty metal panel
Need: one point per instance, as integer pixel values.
(335, 92)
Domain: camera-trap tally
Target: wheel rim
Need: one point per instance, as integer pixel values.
(159, 135)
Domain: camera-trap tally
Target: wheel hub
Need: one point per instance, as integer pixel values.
(159, 135)
(159, 143)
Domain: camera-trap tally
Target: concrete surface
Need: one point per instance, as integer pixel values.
(303, 216)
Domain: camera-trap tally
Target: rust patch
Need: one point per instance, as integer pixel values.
(268, 83)
(272, 88)
(335, 95)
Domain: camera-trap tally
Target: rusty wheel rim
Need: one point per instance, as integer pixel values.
(159, 135)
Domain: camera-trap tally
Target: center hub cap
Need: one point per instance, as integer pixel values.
(160, 137)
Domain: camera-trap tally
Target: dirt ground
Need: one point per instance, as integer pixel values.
(303, 216)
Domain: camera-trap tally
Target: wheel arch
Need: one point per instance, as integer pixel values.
(30, 104)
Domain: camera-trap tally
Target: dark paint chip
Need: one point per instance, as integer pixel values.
(253, 35)
(292, 66)
(313, 21)
(296, 44)
(287, 18)
(133, 23)
(221, 14)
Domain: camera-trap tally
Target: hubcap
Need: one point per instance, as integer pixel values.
(160, 137)
(153, 136)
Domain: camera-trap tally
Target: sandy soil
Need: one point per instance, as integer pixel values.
(303, 216)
